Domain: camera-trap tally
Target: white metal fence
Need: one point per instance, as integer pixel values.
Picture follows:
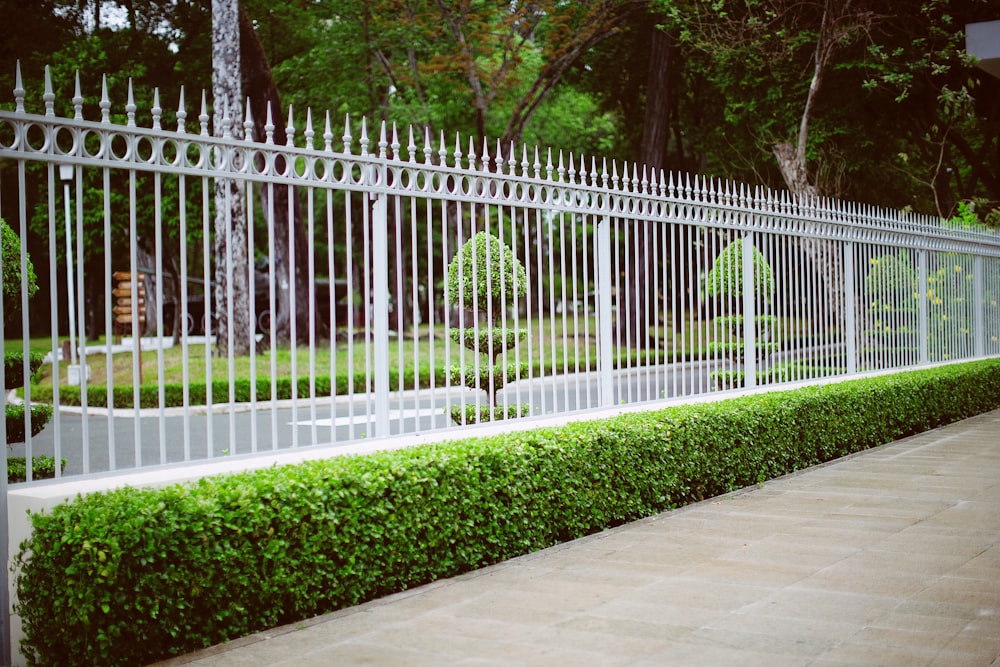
(636, 285)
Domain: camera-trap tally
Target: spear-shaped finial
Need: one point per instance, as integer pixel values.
(269, 125)
(290, 130)
(156, 111)
(203, 116)
(347, 138)
(248, 123)
(181, 112)
(328, 134)
(49, 97)
(18, 89)
(130, 105)
(77, 99)
(309, 133)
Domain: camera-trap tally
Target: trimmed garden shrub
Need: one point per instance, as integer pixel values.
(486, 278)
(136, 575)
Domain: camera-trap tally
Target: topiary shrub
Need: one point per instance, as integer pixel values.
(486, 278)
(10, 258)
(724, 285)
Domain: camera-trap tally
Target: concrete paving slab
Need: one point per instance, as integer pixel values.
(890, 557)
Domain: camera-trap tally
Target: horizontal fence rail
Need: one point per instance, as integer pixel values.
(396, 288)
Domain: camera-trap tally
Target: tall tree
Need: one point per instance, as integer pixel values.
(234, 331)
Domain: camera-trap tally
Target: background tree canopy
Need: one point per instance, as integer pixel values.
(899, 115)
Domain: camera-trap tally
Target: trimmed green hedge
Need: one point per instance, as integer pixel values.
(134, 575)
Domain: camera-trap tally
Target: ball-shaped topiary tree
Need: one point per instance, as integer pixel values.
(724, 284)
(485, 278)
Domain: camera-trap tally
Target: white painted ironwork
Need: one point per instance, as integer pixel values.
(640, 285)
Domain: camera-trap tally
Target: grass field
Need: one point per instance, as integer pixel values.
(555, 350)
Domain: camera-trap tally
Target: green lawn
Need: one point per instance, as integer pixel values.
(351, 355)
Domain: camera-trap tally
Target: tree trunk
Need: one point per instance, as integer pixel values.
(232, 271)
(260, 88)
(633, 320)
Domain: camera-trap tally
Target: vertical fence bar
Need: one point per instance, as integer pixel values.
(850, 302)
(5, 639)
(380, 304)
(979, 301)
(749, 312)
(923, 327)
(605, 341)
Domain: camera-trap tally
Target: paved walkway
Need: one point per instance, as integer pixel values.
(891, 557)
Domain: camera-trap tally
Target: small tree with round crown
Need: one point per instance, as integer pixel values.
(486, 278)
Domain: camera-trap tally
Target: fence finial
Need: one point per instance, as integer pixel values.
(663, 188)
(442, 152)
(364, 136)
(537, 166)
(498, 158)
(309, 133)
(383, 143)
(181, 112)
(77, 99)
(458, 150)
(130, 105)
(395, 142)
(347, 138)
(18, 89)
(411, 146)
(328, 134)
(645, 180)
(248, 123)
(427, 145)
(472, 154)
(524, 161)
(269, 125)
(593, 171)
(156, 111)
(49, 96)
(290, 130)
(571, 171)
(203, 116)
(486, 155)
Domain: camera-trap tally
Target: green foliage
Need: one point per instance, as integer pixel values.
(14, 378)
(11, 260)
(725, 278)
(132, 576)
(491, 342)
(40, 416)
(486, 274)
(477, 414)
(488, 378)
(42, 467)
(14, 367)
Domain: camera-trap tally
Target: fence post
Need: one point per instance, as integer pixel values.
(380, 306)
(850, 323)
(605, 337)
(5, 638)
(749, 314)
(924, 324)
(979, 298)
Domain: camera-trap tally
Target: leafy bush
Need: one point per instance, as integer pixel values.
(725, 278)
(40, 416)
(486, 272)
(42, 467)
(13, 372)
(135, 575)
(10, 251)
